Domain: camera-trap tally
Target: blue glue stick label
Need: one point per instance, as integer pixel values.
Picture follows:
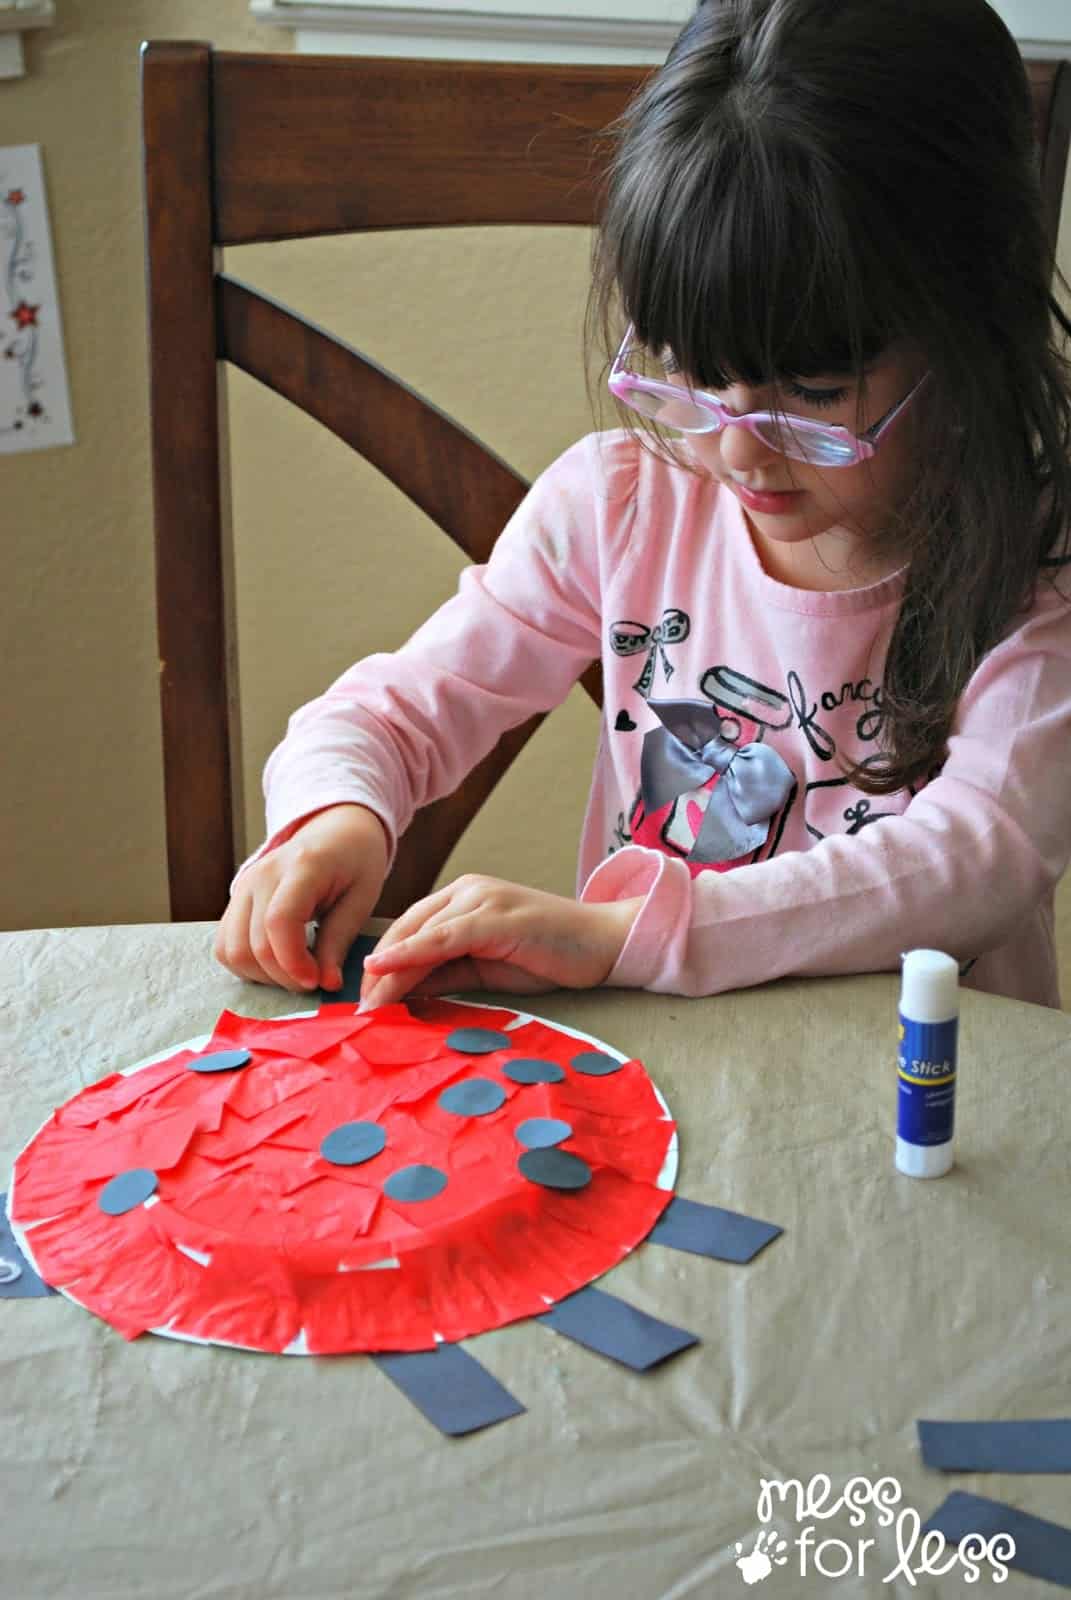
(926, 1091)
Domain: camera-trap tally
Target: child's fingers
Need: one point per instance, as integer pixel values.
(390, 974)
(412, 919)
(451, 976)
(339, 927)
(277, 934)
(444, 935)
(391, 987)
(231, 945)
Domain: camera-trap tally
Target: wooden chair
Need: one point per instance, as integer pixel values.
(243, 148)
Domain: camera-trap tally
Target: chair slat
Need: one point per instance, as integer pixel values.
(326, 144)
(462, 485)
(198, 699)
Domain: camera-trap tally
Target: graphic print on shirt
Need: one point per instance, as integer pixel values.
(712, 792)
(830, 803)
(621, 835)
(675, 811)
(864, 693)
(833, 805)
(634, 638)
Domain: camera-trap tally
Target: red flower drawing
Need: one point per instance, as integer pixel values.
(25, 315)
(15, 197)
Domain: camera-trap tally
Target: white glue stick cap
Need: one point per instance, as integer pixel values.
(929, 986)
(923, 1160)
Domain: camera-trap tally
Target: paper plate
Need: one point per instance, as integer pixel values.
(376, 1182)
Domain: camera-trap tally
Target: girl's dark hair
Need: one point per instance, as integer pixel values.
(805, 182)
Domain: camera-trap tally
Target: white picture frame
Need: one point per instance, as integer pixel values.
(35, 406)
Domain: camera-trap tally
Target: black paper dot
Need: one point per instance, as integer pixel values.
(127, 1190)
(415, 1183)
(478, 1041)
(555, 1169)
(353, 1142)
(596, 1064)
(530, 1069)
(220, 1061)
(473, 1097)
(539, 1133)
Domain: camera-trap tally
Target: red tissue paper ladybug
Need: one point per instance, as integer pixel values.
(342, 1182)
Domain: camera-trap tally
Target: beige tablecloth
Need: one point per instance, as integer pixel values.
(164, 1471)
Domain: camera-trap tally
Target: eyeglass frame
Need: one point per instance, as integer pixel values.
(864, 445)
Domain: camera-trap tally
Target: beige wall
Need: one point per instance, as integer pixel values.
(332, 562)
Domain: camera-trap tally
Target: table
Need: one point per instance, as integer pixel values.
(163, 1470)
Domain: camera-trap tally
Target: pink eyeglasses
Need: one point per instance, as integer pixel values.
(694, 411)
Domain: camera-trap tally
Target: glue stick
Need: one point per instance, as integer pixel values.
(926, 1076)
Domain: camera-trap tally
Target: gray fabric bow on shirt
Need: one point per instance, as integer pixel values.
(686, 752)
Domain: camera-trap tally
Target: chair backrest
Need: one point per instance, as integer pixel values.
(253, 148)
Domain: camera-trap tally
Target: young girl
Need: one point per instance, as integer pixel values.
(822, 563)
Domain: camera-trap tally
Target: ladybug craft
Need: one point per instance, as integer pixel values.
(388, 1182)
(348, 1182)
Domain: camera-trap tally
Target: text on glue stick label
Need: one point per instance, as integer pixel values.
(926, 1092)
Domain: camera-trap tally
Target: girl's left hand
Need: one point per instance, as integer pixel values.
(484, 933)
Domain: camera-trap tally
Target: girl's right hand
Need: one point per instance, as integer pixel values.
(332, 869)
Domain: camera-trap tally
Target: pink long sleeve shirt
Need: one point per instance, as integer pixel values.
(717, 677)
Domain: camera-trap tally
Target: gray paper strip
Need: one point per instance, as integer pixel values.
(711, 1231)
(1039, 1446)
(1042, 1549)
(450, 1387)
(27, 1285)
(613, 1328)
